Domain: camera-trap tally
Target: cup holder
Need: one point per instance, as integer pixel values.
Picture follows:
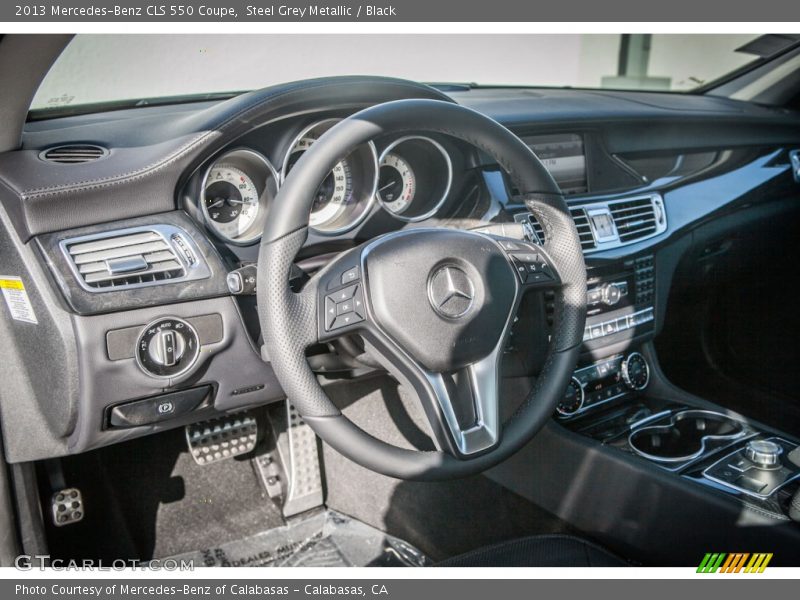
(686, 436)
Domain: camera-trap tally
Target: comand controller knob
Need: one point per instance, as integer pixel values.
(764, 454)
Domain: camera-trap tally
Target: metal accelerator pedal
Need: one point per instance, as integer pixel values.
(221, 438)
(297, 451)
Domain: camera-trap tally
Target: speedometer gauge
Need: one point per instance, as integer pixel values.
(344, 197)
(231, 200)
(396, 183)
(236, 191)
(333, 193)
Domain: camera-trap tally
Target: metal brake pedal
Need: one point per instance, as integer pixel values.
(223, 437)
(67, 507)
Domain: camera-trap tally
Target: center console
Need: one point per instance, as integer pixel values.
(611, 402)
(620, 301)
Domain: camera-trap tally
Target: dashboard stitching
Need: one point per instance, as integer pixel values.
(154, 167)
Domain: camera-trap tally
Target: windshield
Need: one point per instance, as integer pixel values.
(97, 69)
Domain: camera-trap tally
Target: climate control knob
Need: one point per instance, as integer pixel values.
(573, 399)
(167, 347)
(635, 371)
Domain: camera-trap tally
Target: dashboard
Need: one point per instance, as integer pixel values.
(139, 235)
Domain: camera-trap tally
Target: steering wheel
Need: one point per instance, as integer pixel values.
(434, 306)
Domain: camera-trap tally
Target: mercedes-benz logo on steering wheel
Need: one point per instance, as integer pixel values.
(450, 292)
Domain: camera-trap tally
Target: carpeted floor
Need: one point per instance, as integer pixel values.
(147, 498)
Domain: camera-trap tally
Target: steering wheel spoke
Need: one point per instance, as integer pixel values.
(462, 406)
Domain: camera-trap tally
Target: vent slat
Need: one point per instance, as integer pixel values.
(73, 154)
(109, 253)
(152, 270)
(91, 260)
(585, 234)
(634, 219)
(114, 242)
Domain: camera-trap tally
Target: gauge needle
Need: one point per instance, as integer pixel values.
(387, 186)
(218, 203)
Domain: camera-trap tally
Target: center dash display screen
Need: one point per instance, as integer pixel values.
(564, 157)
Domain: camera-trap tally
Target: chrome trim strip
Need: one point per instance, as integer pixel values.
(680, 415)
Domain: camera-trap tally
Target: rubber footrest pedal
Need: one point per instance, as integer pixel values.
(221, 438)
(67, 507)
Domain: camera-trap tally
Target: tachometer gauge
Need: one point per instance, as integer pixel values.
(345, 196)
(396, 183)
(231, 200)
(235, 193)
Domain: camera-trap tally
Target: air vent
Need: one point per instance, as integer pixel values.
(133, 258)
(584, 229)
(535, 229)
(73, 154)
(634, 219)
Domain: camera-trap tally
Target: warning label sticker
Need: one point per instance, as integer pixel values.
(17, 299)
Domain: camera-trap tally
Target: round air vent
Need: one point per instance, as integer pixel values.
(72, 154)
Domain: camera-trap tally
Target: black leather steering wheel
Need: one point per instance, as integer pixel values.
(434, 306)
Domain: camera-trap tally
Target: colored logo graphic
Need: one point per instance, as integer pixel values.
(741, 562)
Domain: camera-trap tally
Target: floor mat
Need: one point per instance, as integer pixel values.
(147, 498)
(323, 539)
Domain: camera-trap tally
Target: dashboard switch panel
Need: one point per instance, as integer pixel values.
(167, 347)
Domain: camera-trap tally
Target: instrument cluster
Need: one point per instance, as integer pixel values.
(409, 177)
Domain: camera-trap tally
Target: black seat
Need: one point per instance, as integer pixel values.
(538, 551)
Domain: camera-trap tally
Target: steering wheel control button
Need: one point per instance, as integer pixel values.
(167, 348)
(350, 276)
(330, 312)
(358, 303)
(158, 408)
(343, 308)
(451, 291)
(529, 262)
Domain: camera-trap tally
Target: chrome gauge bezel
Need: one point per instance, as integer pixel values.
(366, 183)
(626, 377)
(581, 388)
(448, 177)
(253, 233)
